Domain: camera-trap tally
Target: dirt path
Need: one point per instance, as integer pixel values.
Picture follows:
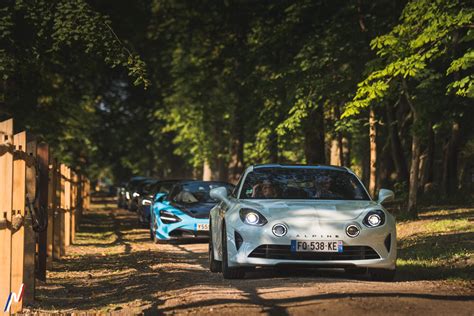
(115, 267)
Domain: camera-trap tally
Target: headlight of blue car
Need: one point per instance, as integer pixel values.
(168, 218)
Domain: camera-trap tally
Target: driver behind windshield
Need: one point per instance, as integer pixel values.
(323, 185)
(264, 190)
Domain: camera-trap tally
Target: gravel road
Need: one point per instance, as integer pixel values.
(114, 267)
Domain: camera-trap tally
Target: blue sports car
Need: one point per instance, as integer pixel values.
(145, 200)
(184, 212)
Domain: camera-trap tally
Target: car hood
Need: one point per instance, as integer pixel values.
(198, 210)
(313, 209)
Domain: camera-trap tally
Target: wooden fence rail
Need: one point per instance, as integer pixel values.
(41, 204)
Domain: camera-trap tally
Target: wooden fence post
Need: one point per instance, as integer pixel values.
(18, 213)
(6, 182)
(43, 162)
(30, 235)
(87, 194)
(52, 206)
(57, 212)
(62, 211)
(73, 205)
(67, 207)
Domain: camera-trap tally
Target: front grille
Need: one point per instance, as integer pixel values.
(199, 215)
(184, 233)
(284, 252)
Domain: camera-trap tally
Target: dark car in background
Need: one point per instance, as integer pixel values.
(130, 189)
(137, 191)
(145, 200)
(121, 199)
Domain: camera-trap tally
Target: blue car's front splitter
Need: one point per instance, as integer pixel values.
(188, 227)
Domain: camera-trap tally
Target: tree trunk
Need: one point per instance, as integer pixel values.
(337, 114)
(206, 172)
(273, 146)
(427, 175)
(373, 152)
(346, 152)
(313, 129)
(334, 155)
(396, 145)
(385, 164)
(415, 159)
(450, 161)
(413, 189)
(222, 172)
(236, 162)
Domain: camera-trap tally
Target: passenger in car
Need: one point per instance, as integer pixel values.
(265, 190)
(323, 186)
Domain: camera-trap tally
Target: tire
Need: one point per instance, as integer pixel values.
(214, 265)
(382, 275)
(151, 229)
(227, 272)
(156, 240)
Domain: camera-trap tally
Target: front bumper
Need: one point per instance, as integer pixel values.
(186, 228)
(257, 246)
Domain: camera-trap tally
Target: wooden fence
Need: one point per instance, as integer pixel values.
(41, 204)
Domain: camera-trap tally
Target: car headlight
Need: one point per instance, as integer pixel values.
(168, 218)
(374, 218)
(146, 202)
(252, 217)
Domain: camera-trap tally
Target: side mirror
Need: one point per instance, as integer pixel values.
(159, 197)
(219, 194)
(385, 196)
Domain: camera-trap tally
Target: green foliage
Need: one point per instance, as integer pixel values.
(428, 32)
(227, 81)
(52, 58)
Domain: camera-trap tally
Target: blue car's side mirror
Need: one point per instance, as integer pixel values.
(160, 197)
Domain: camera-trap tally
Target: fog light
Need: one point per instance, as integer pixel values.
(279, 230)
(352, 231)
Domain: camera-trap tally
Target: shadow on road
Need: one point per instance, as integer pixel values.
(114, 264)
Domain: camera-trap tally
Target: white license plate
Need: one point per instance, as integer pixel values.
(202, 227)
(316, 246)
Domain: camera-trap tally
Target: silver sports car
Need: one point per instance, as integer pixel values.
(285, 215)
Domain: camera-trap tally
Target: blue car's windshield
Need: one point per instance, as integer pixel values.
(302, 183)
(197, 192)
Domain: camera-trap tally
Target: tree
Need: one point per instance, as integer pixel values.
(410, 56)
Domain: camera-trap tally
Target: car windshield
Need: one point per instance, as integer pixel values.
(163, 187)
(198, 192)
(302, 183)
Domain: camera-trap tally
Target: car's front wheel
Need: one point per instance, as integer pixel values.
(152, 233)
(383, 275)
(214, 265)
(155, 239)
(228, 272)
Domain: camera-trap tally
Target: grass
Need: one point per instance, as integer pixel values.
(439, 245)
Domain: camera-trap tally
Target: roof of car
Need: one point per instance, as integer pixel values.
(201, 181)
(300, 166)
